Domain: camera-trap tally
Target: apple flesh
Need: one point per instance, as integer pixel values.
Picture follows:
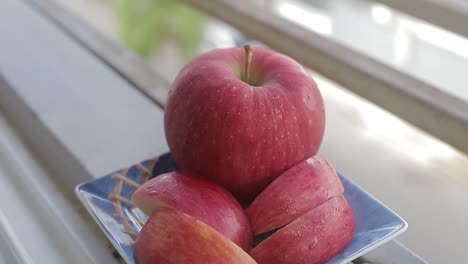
(173, 237)
(199, 198)
(242, 133)
(303, 187)
(313, 238)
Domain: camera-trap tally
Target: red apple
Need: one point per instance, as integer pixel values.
(242, 126)
(173, 237)
(199, 198)
(303, 187)
(313, 238)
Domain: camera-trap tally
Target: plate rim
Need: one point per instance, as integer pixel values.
(101, 225)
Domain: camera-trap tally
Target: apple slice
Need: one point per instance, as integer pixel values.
(199, 198)
(303, 187)
(313, 238)
(171, 236)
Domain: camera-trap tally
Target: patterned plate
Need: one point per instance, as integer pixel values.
(107, 200)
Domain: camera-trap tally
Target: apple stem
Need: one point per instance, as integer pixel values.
(248, 59)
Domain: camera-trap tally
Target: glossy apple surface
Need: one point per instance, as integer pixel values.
(198, 198)
(173, 237)
(303, 187)
(243, 134)
(313, 238)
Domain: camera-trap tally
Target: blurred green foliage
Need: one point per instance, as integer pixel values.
(144, 24)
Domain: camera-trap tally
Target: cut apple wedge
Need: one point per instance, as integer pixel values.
(173, 237)
(313, 238)
(303, 187)
(199, 198)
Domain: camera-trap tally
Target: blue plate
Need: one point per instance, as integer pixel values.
(107, 200)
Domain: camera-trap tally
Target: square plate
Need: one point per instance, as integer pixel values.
(107, 200)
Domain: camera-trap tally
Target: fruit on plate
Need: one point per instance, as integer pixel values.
(313, 238)
(244, 124)
(173, 237)
(199, 198)
(303, 187)
(242, 120)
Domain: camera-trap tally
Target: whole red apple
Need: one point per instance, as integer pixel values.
(242, 122)
(199, 198)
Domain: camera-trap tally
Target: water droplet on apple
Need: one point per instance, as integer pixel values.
(314, 243)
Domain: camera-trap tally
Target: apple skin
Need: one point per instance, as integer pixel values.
(199, 198)
(313, 238)
(239, 135)
(303, 187)
(173, 237)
